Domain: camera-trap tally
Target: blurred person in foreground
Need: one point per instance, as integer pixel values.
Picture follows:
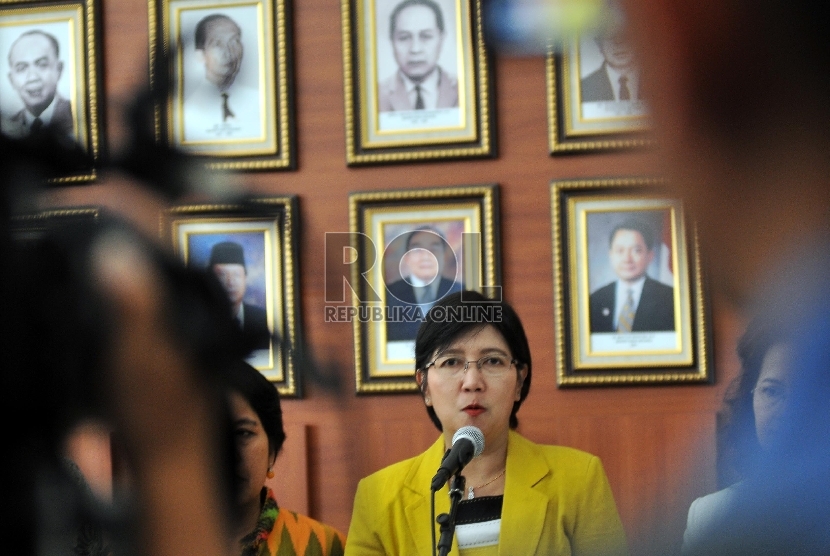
(521, 497)
(108, 325)
(754, 406)
(263, 528)
(739, 96)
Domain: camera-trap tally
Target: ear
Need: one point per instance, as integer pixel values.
(60, 68)
(522, 374)
(423, 386)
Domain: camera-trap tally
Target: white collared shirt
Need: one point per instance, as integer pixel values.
(45, 116)
(429, 89)
(421, 287)
(240, 315)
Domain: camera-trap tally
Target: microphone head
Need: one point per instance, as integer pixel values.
(474, 435)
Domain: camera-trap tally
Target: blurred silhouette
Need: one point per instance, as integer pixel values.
(755, 405)
(105, 324)
(738, 93)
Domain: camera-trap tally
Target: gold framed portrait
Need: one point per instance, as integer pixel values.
(417, 81)
(63, 116)
(596, 99)
(411, 248)
(257, 241)
(630, 300)
(224, 72)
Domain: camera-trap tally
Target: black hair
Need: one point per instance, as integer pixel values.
(426, 229)
(636, 225)
(393, 19)
(201, 28)
(438, 332)
(263, 397)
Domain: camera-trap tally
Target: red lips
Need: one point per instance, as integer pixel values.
(473, 410)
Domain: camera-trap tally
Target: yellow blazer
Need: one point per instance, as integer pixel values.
(557, 501)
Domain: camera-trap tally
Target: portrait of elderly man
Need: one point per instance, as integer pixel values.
(633, 302)
(416, 31)
(617, 79)
(216, 104)
(34, 71)
(421, 283)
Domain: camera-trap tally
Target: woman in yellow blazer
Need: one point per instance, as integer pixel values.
(522, 498)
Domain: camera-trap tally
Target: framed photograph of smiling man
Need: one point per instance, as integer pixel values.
(225, 69)
(50, 91)
(411, 248)
(595, 94)
(417, 81)
(629, 292)
(251, 249)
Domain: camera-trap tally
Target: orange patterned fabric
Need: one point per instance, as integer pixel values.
(281, 532)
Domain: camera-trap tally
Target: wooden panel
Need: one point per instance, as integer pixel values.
(290, 482)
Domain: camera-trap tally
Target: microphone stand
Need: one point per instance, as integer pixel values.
(447, 521)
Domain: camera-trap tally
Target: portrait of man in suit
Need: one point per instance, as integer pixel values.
(617, 79)
(416, 32)
(227, 262)
(421, 283)
(633, 302)
(35, 68)
(216, 104)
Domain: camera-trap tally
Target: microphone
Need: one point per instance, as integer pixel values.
(467, 443)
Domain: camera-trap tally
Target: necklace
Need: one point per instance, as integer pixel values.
(470, 492)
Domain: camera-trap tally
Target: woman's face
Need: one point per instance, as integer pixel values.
(770, 396)
(474, 397)
(252, 447)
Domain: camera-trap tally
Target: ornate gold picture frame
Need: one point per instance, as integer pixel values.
(261, 237)
(455, 227)
(65, 113)
(224, 70)
(417, 81)
(591, 105)
(630, 299)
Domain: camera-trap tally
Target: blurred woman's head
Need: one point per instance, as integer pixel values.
(756, 401)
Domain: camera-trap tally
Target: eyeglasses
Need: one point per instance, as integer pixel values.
(492, 365)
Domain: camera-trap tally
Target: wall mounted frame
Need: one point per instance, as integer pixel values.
(611, 235)
(265, 231)
(63, 115)
(222, 73)
(585, 111)
(436, 45)
(457, 227)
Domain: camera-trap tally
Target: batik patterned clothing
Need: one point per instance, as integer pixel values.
(281, 532)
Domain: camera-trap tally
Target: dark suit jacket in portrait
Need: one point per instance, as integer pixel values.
(400, 296)
(392, 95)
(596, 86)
(60, 124)
(655, 312)
(256, 325)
